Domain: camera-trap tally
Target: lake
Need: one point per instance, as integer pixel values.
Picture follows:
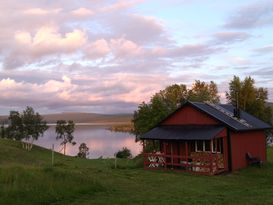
(100, 140)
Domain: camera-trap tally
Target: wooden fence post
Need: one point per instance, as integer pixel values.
(52, 155)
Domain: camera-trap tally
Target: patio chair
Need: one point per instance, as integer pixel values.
(253, 160)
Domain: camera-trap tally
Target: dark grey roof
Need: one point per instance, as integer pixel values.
(246, 121)
(176, 132)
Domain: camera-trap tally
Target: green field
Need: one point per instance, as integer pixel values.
(28, 178)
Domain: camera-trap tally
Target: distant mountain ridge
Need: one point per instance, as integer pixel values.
(78, 117)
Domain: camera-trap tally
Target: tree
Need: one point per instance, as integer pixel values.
(249, 98)
(3, 132)
(83, 150)
(16, 128)
(33, 125)
(64, 131)
(28, 126)
(168, 100)
(202, 92)
(124, 153)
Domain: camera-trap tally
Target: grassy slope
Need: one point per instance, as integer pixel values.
(28, 178)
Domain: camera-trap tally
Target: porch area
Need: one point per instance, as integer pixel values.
(203, 153)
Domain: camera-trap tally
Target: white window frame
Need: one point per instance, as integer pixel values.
(204, 146)
(220, 150)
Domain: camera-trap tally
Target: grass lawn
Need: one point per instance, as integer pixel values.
(28, 178)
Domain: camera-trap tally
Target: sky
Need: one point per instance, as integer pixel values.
(108, 56)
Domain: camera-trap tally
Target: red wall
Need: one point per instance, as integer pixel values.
(243, 142)
(191, 116)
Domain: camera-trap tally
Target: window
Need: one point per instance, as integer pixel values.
(207, 145)
(199, 146)
(202, 145)
(218, 145)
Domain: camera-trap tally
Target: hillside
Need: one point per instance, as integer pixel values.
(88, 117)
(27, 178)
(84, 117)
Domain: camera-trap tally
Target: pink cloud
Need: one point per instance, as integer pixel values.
(124, 48)
(99, 90)
(47, 40)
(98, 49)
(120, 4)
(81, 12)
(39, 11)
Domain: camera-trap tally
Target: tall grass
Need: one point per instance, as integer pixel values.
(27, 178)
(19, 185)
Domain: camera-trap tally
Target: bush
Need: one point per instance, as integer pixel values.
(83, 151)
(125, 153)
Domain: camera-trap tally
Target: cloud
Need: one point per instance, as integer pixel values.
(125, 48)
(119, 5)
(119, 48)
(39, 11)
(239, 61)
(254, 15)
(265, 49)
(229, 37)
(46, 41)
(97, 49)
(36, 39)
(60, 89)
(101, 92)
(193, 50)
(265, 73)
(137, 28)
(81, 12)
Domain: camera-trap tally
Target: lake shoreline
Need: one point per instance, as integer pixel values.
(93, 123)
(97, 136)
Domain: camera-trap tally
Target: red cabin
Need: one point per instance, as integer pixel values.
(206, 138)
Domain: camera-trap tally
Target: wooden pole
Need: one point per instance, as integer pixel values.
(216, 153)
(186, 150)
(115, 161)
(172, 154)
(211, 161)
(52, 155)
(165, 153)
(144, 154)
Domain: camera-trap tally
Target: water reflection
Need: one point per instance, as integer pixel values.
(101, 142)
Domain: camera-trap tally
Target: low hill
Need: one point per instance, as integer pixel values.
(3, 119)
(84, 117)
(88, 117)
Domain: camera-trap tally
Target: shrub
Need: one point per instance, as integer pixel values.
(124, 153)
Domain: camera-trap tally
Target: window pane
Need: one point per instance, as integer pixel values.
(199, 145)
(220, 145)
(207, 145)
(191, 146)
